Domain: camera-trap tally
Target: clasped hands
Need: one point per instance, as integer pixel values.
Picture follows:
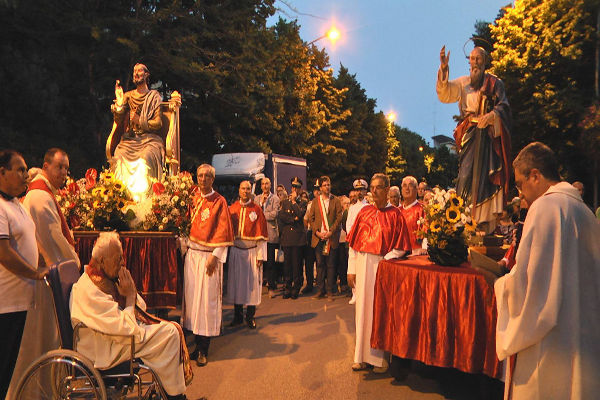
(323, 235)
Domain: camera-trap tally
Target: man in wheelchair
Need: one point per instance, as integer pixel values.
(105, 299)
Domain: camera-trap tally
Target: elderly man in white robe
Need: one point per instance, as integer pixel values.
(110, 309)
(210, 236)
(379, 232)
(246, 256)
(549, 303)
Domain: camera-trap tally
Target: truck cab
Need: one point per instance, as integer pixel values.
(233, 168)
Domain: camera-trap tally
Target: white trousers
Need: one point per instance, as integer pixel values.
(366, 272)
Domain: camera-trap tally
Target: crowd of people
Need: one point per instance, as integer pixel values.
(548, 304)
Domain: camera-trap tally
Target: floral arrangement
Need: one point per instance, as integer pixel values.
(446, 225)
(90, 204)
(106, 203)
(170, 206)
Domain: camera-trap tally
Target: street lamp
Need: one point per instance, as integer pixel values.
(333, 34)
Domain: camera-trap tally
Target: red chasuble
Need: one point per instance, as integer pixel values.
(248, 221)
(40, 184)
(411, 216)
(378, 231)
(211, 224)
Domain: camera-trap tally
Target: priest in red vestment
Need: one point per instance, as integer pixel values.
(379, 232)
(412, 211)
(246, 256)
(210, 235)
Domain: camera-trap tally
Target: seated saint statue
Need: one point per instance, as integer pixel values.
(140, 154)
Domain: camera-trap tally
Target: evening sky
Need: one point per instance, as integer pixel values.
(393, 48)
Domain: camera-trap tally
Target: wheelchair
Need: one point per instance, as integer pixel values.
(66, 374)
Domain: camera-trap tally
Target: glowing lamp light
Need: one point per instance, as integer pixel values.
(391, 116)
(333, 34)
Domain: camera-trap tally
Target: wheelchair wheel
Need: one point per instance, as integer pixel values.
(61, 374)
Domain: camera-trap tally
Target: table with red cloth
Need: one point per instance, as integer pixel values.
(441, 316)
(151, 257)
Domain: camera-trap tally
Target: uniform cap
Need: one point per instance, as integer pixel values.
(296, 181)
(360, 184)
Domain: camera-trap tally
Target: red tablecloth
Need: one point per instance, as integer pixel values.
(152, 259)
(441, 316)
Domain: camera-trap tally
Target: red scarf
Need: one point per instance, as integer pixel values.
(40, 184)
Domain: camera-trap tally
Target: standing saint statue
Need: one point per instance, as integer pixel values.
(482, 136)
(139, 156)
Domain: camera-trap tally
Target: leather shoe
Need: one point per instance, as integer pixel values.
(294, 296)
(359, 366)
(307, 290)
(383, 369)
(251, 323)
(286, 296)
(201, 361)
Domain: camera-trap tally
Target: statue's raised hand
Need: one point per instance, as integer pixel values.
(118, 93)
(444, 58)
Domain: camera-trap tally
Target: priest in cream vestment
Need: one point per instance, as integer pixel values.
(548, 326)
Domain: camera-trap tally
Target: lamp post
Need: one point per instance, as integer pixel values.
(333, 34)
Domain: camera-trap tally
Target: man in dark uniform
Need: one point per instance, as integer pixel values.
(291, 228)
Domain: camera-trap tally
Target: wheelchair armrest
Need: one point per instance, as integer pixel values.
(81, 325)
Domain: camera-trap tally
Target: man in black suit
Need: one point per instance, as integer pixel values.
(291, 228)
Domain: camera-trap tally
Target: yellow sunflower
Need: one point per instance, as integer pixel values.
(470, 226)
(456, 201)
(118, 186)
(109, 177)
(97, 204)
(453, 214)
(435, 226)
(96, 191)
(107, 192)
(434, 209)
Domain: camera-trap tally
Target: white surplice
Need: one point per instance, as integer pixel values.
(549, 303)
(157, 345)
(203, 302)
(244, 277)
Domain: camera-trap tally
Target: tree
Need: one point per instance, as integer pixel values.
(543, 51)
(365, 139)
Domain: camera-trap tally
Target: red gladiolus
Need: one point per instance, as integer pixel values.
(158, 188)
(73, 188)
(90, 178)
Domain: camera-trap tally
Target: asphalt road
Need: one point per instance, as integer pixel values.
(303, 349)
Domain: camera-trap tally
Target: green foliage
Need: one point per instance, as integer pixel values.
(444, 168)
(543, 52)
(246, 86)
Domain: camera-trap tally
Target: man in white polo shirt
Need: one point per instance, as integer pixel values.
(18, 262)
